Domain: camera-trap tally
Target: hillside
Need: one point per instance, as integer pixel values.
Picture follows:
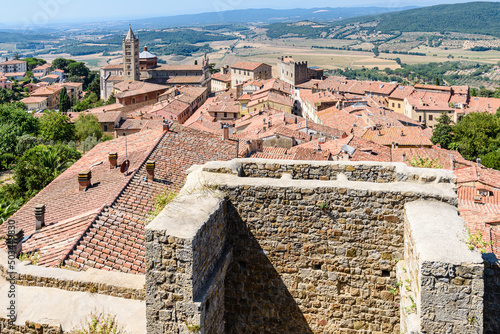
(470, 17)
(263, 15)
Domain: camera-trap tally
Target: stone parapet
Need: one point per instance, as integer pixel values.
(115, 284)
(380, 172)
(446, 277)
(187, 254)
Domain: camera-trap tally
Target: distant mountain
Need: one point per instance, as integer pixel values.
(263, 16)
(470, 17)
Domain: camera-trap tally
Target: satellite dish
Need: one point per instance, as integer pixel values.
(124, 166)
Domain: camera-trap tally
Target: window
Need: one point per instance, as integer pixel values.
(420, 118)
(133, 100)
(430, 117)
(105, 128)
(399, 105)
(145, 98)
(393, 104)
(225, 115)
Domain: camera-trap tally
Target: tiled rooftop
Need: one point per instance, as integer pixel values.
(115, 240)
(62, 198)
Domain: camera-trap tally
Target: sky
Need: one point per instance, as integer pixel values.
(46, 11)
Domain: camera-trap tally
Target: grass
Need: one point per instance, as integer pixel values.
(160, 202)
(476, 241)
(98, 323)
(34, 257)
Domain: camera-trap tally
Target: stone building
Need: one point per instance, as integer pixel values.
(220, 82)
(243, 71)
(144, 67)
(133, 95)
(131, 57)
(296, 72)
(110, 75)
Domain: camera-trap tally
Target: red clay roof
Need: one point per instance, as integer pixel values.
(404, 136)
(115, 241)
(133, 88)
(244, 65)
(62, 198)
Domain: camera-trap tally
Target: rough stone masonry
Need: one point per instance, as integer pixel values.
(262, 246)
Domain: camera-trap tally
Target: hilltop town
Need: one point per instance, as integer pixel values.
(97, 221)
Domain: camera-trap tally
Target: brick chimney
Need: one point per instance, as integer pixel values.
(166, 126)
(14, 241)
(150, 170)
(225, 132)
(113, 160)
(40, 216)
(84, 179)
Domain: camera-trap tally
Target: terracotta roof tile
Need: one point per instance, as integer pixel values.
(249, 66)
(404, 136)
(115, 240)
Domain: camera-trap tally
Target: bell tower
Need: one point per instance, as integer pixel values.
(131, 70)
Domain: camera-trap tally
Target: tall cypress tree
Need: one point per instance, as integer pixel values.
(64, 101)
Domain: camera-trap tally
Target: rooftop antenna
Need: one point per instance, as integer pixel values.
(126, 164)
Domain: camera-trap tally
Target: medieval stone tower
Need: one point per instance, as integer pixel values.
(131, 57)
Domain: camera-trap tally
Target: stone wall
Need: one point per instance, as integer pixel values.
(314, 260)
(444, 276)
(298, 255)
(115, 284)
(310, 170)
(28, 328)
(491, 294)
(187, 256)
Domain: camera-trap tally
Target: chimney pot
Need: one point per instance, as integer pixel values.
(40, 216)
(113, 160)
(150, 170)
(84, 179)
(14, 241)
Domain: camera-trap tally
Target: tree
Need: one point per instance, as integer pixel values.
(443, 132)
(491, 160)
(32, 62)
(437, 82)
(87, 125)
(77, 69)
(62, 63)
(64, 101)
(477, 134)
(56, 126)
(15, 114)
(95, 87)
(112, 99)
(9, 134)
(42, 164)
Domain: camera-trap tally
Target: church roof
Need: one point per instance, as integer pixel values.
(146, 55)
